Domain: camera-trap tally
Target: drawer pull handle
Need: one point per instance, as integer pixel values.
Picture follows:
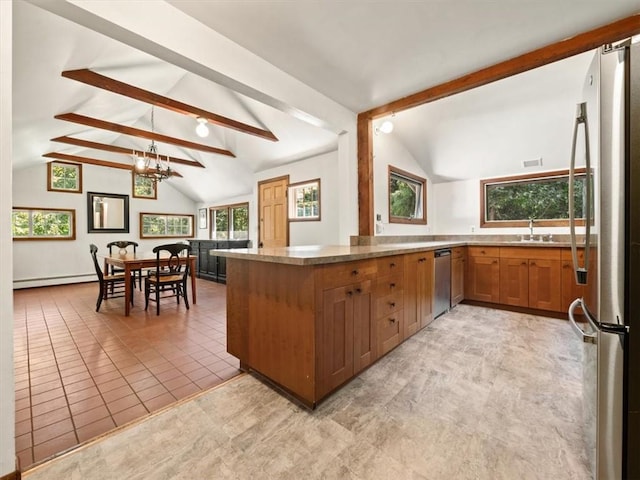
(392, 285)
(358, 290)
(349, 292)
(523, 263)
(533, 264)
(355, 272)
(482, 252)
(495, 261)
(392, 304)
(392, 320)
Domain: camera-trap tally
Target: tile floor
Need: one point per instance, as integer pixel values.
(479, 394)
(80, 373)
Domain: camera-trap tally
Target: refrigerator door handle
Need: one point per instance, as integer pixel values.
(580, 272)
(588, 337)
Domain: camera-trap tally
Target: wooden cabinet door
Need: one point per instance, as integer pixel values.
(336, 337)
(482, 281)
(514, 282)
(545, 283)
(457, 280)
(418, 292)
(570, 289)
(364, 342)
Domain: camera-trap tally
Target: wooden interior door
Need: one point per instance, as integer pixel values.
(273, 228)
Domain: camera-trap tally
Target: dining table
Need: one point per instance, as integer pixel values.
(131, 261)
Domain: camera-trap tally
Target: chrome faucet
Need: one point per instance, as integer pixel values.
(531, 229)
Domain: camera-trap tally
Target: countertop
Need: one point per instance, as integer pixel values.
(323, 254)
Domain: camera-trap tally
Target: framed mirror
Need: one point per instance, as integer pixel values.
(107, 213)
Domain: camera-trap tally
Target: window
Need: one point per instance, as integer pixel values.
(304, 201)
(230, 222)
(143, 187)
(166, 225)
(407, 197)
(544, 197)
(64, 177)
(43, 224)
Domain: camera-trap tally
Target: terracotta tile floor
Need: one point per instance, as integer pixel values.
(80, 373)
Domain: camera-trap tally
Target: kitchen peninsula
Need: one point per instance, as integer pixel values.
(310, 318)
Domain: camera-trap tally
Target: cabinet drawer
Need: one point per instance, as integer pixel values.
(390, 265)
(483, 251)
(389, 303)
(566, 254)
(388, 284)
(347, 273)
(539, 253)
(458, 252)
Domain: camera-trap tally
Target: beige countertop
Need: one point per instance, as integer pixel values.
(323, 254)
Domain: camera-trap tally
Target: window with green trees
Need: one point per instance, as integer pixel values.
(230, 222)
(43, 224)
(513, 201)
(304, 201)
(159, 225)
(407, 197)
(144, 187)
(64, 177)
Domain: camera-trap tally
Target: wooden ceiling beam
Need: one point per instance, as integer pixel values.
(136, 132)
(95, 161)
(94, 79)
(124, 151)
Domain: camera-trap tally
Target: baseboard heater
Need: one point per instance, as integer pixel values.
(56, 280)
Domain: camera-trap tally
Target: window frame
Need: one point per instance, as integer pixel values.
(412, 177)
(134, 176)
(31, 210)
(293, 207)
(51, 188)
(228, 208)
(191, 217)
(527, 178)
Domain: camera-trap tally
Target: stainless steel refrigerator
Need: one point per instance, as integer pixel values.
(606, 140)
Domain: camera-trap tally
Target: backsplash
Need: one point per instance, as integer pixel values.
(384, 239)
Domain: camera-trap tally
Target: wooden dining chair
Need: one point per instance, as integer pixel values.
(169, 278)
(109, 284)
(120, 246)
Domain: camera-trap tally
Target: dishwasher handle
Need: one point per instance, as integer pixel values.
(442, 253)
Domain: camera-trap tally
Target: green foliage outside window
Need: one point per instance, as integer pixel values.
(166, 225)
(63, 176)
(541, 199)
(43, 224)
(231, 222)
(143, 187)
(406, 197)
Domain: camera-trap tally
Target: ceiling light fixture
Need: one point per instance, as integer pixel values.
(384, 127)
(160, 169)
(202, 130)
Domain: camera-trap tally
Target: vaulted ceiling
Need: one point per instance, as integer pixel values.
(359, 54)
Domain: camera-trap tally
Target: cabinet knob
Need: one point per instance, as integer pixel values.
(495, 261)
(349, 292)
(354, 272)
(533, 264)
(523, 263)
(482, 252)
(358, 290)
(392, 285)
(392, 304)
(392, 320)
(392, 265)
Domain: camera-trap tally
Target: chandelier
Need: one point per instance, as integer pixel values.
(149, 164)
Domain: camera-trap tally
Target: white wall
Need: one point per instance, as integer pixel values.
(38, 263)
(7, 386)
(389, 151)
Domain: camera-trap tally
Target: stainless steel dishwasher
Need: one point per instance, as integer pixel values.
(442, 301)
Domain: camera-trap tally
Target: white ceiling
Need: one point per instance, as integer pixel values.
(358, 53)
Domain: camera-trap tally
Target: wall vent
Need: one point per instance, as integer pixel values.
(536, 162)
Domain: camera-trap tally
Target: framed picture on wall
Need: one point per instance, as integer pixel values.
(202, 218)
